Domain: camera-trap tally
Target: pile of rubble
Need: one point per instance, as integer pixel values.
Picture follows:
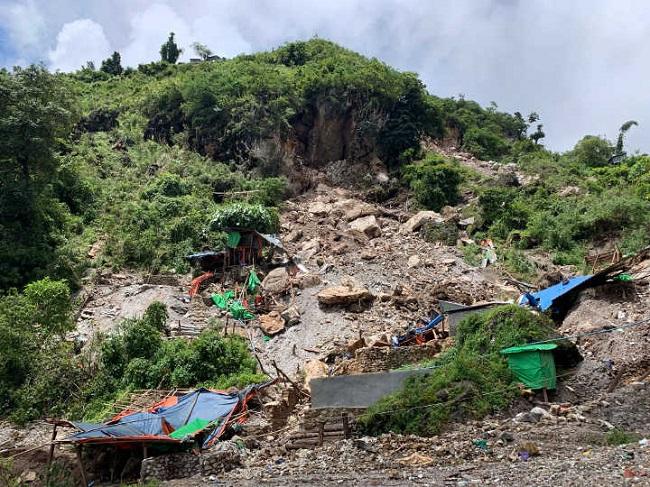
(368, 272)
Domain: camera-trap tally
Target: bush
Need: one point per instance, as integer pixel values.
(485, 143)
(618, 437)
(593, 151)
(434, 182)
(471, 380)
(137, 358)
(245, 215)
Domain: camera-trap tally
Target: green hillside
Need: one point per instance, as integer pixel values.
(135, 163)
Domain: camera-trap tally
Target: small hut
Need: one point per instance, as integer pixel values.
(533, 364)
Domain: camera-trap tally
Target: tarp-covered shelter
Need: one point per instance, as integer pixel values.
(243, 247)
(177, 419)
(533, 364)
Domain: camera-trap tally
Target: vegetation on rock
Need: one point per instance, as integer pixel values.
(469, 380)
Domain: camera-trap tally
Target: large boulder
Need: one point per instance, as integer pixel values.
(276, 281)
(420, 218)
(367, 225)
(318, 208)
(352, 209)
(271, 323)
(343, 295)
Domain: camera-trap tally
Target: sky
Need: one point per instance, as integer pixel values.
(583, 65)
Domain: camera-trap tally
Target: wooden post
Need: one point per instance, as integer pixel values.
(545, 394)
(50, 457)
(346, 425)
(84, 479)
(321, 432)
(145, 452)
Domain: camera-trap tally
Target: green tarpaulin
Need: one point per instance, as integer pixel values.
(533, 365)
(233, 239)
(221, 300)
(253, 282)
(238, 311)
(235, 308)
(190, 428)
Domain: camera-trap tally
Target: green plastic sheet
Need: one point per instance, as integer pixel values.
(533, 365)
(235, 308)
(190, 428)
(233, 239)
(221, 300)
(253, 282)
(238, 311)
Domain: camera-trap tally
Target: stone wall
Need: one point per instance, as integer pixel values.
(378, 359)
(222, 457)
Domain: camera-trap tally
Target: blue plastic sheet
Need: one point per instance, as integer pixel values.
(545, 298)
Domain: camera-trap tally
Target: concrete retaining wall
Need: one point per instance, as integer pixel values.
(357, 391)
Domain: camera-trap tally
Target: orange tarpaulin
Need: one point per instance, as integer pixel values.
(196, 282)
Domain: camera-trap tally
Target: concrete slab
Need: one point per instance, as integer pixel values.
(359, 390)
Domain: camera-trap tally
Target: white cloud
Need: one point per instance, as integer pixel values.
(25, 25)
(78, 42)
(150, 29)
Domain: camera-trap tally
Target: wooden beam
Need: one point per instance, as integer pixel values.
(82, 470)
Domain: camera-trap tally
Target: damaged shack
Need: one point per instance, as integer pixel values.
(121, 447)
(245, 248)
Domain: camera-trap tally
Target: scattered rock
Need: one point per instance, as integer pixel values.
(367, 225)
(570, 191)
(294, 235)
(276, 281)
(309, 249)
(306, 281)
(343, 295)
(314, 369)
(318, 208)
(368, 254)
(416, 459)
(526, 418)
(413, 261)
(355, 345)
(540, 413)
(352, 209)
(416, 221)
(466, 222)
(291, 316)
(271, 323)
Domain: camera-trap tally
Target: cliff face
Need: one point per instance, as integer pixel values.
(327, 132)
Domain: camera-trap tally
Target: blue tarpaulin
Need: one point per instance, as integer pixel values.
(216, 408)
(545, 299)
(399, 340)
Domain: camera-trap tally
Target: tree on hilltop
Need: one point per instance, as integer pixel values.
(169, 51)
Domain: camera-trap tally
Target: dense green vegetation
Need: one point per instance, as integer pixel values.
(434, 182)
(471, 380)
(43, 374)
(576, 203)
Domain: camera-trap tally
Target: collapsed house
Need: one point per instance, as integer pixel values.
(245, 248)
(178, 423)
